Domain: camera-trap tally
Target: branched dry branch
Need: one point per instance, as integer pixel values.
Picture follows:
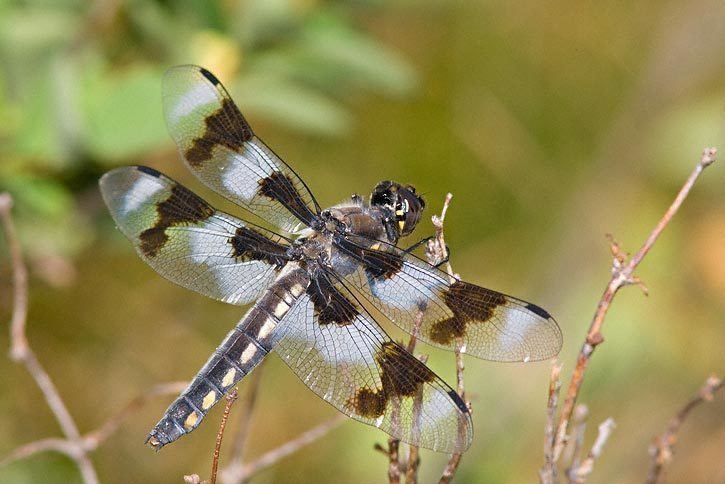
(662, 448)
(76, 446)
(21, 352)
(623, 268)
(580, 471)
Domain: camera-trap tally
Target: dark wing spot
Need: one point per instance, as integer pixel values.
(369, 403)
(149, 171)
(458, 401)
(181, 208)
(444, 331)
(209, 76)
(401, 375)
(378, 264)
(152, 240)
(225, 127)
(539, 311)
(280, 188)
(331, 306)
(468, 303)
(248, 244)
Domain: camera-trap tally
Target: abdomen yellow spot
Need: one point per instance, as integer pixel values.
(191, 421)
(229, 377)
(209, 400)
(248, 353)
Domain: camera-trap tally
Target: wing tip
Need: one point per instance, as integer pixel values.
(553, 326)
(209, 76)
(206, 73)
(538, 310)
(126, 171)
(148, 170)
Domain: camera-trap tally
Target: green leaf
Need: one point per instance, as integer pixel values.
(366, 62)
(292, 105)
(124, 114)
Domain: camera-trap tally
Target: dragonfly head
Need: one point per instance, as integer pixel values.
(403, 205)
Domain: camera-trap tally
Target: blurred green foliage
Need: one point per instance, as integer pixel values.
(552, 123)
(78, 82)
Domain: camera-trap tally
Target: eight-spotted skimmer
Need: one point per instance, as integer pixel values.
(308, 282)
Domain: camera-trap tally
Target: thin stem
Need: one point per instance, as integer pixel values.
(575, 448)
(411, 470)
(18, 341)
(393, 460)
(439, 244)
(579, 473)
(231, 398)
(662, 448)
(240, 440)
(549, 468)
(393, 451)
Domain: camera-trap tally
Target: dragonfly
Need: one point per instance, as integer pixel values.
(311, 280)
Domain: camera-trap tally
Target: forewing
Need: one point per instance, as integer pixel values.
(341, 353)
(188, 242)
(421, 299)
(221, 149)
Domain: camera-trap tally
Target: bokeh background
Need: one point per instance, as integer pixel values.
(552, 123)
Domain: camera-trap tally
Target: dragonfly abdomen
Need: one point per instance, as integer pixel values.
(241, 351)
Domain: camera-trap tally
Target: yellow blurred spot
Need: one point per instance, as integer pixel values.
(217, 53)
(708, 251)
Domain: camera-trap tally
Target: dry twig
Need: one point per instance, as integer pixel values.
(436, 252)
(581, 415)
(662, 448)
(231, 398)
(240, 439)
(549, 468)
(411, 469)
(21, 352)
(438, 246)
(623, 269)
(580, 471)
(74, 445)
